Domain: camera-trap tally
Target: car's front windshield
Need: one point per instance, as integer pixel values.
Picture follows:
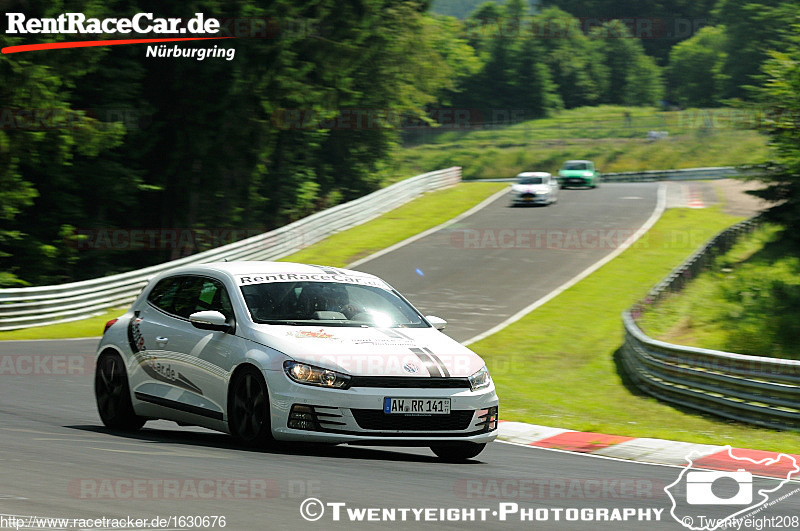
(576, 166)
(530, 180)
(328, 304)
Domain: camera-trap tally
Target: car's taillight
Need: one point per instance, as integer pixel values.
(109, 325)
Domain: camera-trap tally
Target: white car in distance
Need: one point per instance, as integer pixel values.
(534, 188)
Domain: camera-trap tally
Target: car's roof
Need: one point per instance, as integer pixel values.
(256, 267)
(534, 174)
(569, 161)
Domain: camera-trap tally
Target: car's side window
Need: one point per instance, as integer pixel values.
(163, 294)
(185, 295)
(214, 296)
(187, 299)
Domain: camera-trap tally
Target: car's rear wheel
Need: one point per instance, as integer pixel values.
(458, 452)
(113, 395)
(248, 416)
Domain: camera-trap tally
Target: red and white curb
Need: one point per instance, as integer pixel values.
(642, 449)
(695, 199)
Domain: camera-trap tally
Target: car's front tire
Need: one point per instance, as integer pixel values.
(248, 412)
(454, 453)
(113, 395)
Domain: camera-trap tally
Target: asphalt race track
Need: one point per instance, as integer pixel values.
(479, 272)
(56, 459)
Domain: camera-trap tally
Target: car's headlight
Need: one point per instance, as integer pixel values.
(587, 174)
(480, 379)
(303, 373)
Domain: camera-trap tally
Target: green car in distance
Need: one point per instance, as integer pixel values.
(579, 173)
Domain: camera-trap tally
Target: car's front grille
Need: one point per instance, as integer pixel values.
(375, 419)
(409, 382)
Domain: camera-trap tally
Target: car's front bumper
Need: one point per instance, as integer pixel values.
(356, 415)
(539, 199)
(576, 181)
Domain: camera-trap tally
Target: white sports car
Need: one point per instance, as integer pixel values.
(276, 350)
(534, 188)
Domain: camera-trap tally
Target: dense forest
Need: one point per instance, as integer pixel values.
(309, 109)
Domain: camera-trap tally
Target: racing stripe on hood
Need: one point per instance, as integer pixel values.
(433, 368)
(442, 366)
(394, 334)
(328, 270)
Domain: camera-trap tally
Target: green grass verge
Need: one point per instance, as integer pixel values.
(91, 327)
(748, 301)
(339, 250)
(558, 366)
(697, 138)
(430, 210)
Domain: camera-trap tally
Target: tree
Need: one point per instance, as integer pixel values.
(208, 145)
(660, 24)
(752, 28)
(534, 90)
(695, 68)
(514, 79)
(575, 66)
(633, 77)
(44, 138)
(780, 96)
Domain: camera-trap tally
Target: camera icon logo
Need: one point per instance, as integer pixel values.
(711, 488)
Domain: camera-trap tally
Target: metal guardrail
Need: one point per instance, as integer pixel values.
(753, 389)
(40, 305)
(687, 174)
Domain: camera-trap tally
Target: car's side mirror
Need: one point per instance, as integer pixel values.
(437, 322)
(210, 320)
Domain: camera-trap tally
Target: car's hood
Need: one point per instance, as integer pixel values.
(575, 173)
(372, 351)
(530, 188)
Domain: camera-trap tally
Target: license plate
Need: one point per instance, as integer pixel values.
(417, 406)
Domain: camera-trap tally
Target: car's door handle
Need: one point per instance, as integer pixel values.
(162, 339)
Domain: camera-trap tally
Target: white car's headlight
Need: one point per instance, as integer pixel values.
(303, 373)
(480, 379)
